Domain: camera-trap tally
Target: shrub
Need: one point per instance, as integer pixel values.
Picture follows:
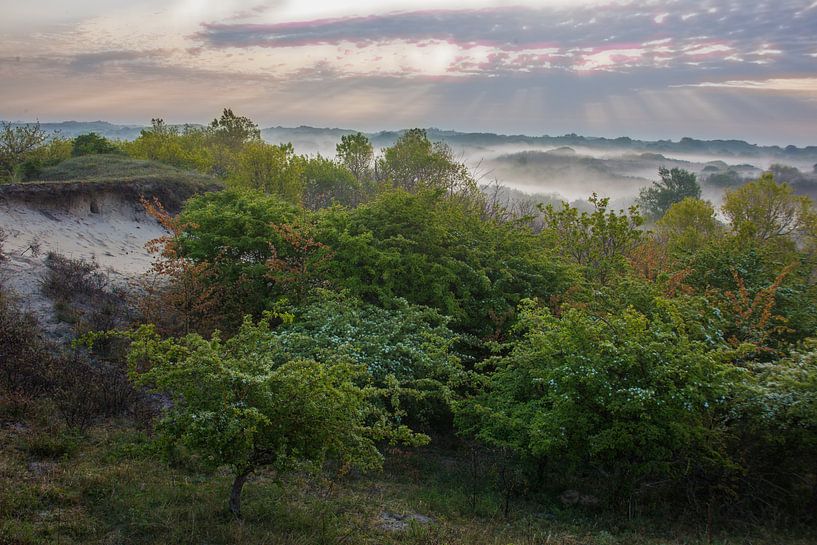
(629, 398)
(234, 406)
(85, 390)
(83, 295)
(92, 144)
(25, 356)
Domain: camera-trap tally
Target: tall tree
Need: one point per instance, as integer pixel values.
(356, 152)
(234, 130)
(273, 169)
(688, 225)
(674, 186)
(414, 162)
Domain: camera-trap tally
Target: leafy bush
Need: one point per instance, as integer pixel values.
(234, 405)
(440, 253)
(628, 398)
(92, 144)
(402, 346)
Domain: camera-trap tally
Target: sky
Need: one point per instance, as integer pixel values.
(647, 69)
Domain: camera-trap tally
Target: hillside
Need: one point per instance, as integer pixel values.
(88, 210)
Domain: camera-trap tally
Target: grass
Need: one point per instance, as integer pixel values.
(131, 178)
(111, 167)
(109, 487)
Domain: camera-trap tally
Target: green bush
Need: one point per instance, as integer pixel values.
(234, 405)
(627, 398)
(92, 144)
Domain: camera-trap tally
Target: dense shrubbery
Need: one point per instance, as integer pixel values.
(598, 354)
(319, 306)
(83, 389)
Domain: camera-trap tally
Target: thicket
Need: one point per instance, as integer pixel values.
(319, 307)
(82, 389)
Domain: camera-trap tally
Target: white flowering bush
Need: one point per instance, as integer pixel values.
(405, 348)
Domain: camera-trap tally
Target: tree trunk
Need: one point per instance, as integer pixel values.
(235, 493)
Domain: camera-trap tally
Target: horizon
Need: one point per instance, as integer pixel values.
(651, 70)
(676, 140)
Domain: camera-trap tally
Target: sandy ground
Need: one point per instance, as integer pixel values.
(115, 238)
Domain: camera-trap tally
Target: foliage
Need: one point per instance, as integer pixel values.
(730, 178)
(598, 241)
(234, 405)
(768, 211)
(235, 237)
(356, 153)
(327, 182)
(732, 265)
(629, 396)
(688, 225)
(414, 162)
(405, 341)
(232, 130)
(272, 169)
(405, 348)
(167, 144)
(92, 143)
(775, 430)
(675, 185)
(440, 253)
(18, 143)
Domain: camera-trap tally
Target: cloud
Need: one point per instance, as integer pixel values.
(497, 40)
(796, 85)
(610, 67)
(84, 62)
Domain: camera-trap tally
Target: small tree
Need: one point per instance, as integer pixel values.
(765, 210)
(17, 144)
(675, 185)
(598, 241)
(234, 406)
(356, 152)
(91, 144)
